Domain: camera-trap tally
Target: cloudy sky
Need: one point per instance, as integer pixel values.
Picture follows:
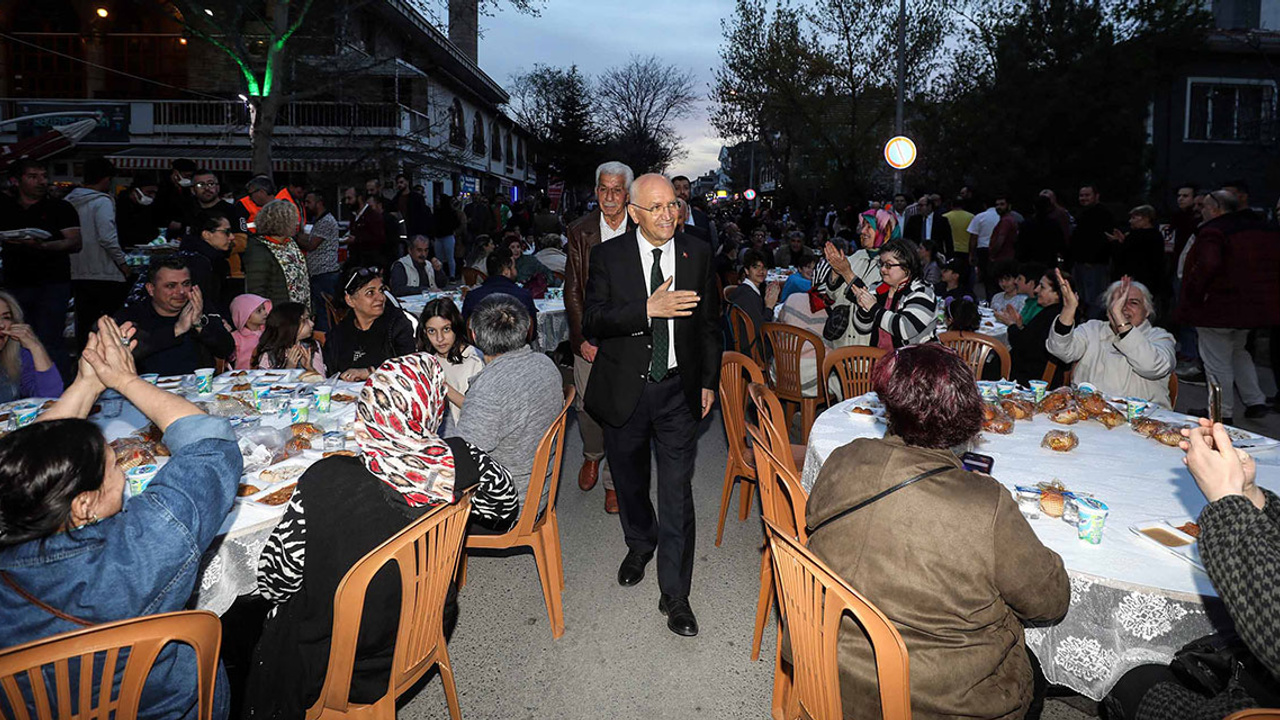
(597, 35)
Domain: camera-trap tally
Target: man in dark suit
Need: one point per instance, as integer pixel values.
(689, 229)
(607, 221)
(929, 224)
(655, 375)
(696, 218)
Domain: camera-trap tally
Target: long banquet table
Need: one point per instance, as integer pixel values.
(1132, 602)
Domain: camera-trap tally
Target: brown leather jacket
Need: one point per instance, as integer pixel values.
(584, 234)
(952, 562)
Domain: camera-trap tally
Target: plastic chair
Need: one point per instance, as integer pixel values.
(143, 637)
(814, 601)
(975, 347)
(783, 500)
(769, 413)
(472, 276)
(1173, 388)
(733, 408)
(335, 314)
(788, 343)
(1255, 714)
(426, 553)
(318, 336)
(540, 532)
(743, 335)
(852, 366)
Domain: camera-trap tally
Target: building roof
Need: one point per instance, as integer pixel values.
(449, 58)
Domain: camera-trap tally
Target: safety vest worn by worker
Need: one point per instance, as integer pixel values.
(252, 208)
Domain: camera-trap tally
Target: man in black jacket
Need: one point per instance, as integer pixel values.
(174, 335)
(648, 305)
(696, 217)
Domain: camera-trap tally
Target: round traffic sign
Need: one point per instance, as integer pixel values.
(900, 152)
(749, 194)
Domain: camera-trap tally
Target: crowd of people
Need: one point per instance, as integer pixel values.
(456, 398)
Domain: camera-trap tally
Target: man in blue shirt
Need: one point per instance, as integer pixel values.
(501, 268)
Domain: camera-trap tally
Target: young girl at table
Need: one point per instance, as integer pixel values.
(287, 341)
(249, 314)
(442, 332)
(25, 367)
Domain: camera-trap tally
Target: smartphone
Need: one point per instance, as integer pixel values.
(977, 462)
(1215, 402)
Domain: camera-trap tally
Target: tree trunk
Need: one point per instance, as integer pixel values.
(262, 131)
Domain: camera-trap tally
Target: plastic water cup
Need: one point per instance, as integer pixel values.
(204, 381)
(152, 378)
(1039, 387)
(1092, 518)
(140, 477)
(324, 398)
(1004, 390)
(1134, 408)
(1029, 502)
(299, 410)
(334, 441)
(26, 413)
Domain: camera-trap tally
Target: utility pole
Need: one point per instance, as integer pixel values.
(902, 80)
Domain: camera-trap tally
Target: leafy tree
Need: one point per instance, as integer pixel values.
(554, 105)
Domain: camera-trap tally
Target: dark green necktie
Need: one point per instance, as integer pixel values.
(661, 337)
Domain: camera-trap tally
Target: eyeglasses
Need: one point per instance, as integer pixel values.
(364, 275)
(207, 184)
(225, 231)
(884, 265)
(672, 207)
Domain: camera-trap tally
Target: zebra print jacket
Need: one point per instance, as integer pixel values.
(910, 319)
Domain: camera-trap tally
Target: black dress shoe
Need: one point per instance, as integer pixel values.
(631, 571)
(1253, 412)
(680, 619)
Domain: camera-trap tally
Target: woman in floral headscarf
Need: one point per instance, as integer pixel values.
(837, 273)
(344, 507)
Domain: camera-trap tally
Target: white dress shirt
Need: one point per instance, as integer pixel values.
(608, 233)
(928, 227)
(668, 267)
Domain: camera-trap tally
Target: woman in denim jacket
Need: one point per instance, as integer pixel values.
(77, 552)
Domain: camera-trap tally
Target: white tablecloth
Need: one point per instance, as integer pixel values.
(990, 326)
(553, 321)
(229, 567)
(1131, 602)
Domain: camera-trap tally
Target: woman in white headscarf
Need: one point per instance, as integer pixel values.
(344, 507)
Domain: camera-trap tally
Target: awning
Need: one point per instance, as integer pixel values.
(236, 159)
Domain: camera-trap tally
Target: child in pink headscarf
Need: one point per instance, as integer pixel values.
(248, 314)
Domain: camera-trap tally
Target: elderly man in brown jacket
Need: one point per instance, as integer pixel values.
(606, 222)
(949, 558)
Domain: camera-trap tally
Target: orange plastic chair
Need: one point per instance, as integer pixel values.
(472, 276)
(743, 334)
(769, 412)
(814, 601)
(788, 343)
(143, 637)
(1255, 714)
(318, 336)
(540, 532)
(733, 408)
(852, 366)
(783, 500)
(975, 347)
(1173, 388)
(426, 553)
(335, 314)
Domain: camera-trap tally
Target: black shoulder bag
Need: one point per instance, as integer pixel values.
(881, 495)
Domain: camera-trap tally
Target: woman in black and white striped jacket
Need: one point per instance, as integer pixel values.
(904, 310)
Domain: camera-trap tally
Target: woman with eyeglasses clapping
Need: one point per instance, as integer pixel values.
(903, 310)
(368, 336)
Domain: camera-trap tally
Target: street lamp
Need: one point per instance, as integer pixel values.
(102, 12)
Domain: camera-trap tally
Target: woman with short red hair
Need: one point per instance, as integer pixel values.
(942, 551)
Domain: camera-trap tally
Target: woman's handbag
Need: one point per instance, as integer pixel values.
(837, 323)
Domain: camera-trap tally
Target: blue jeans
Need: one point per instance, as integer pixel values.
(44, 307)
(326, 283)
(444, 252)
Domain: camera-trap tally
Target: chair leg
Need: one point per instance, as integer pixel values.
(764, 603)
(555, 550)
(461, 578)
(744, 504)
(784, 706)
(724, 499)
(446, 679)
(808, 413)
(550, 593)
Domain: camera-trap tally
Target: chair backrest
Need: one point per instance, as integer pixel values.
(1051, 369)
(814, 600)
(426, 553)
(472, 276)
(1173, 386)
(852, 366)
(743, 333)
(769, 411)
(782, 496)
(319, 337)
(733, 397)
(788, 343)
(70, 653)
(975, 347)
(331, 309)
(548, 456)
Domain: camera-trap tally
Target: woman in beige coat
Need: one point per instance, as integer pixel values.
(948, 558)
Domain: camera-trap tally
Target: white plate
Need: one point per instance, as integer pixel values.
(1168, 528)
